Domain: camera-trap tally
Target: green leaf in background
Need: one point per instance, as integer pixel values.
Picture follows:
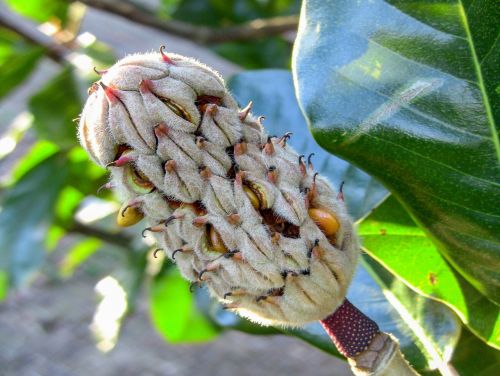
(25, 216)
(266, 53)
(273, 96)
(41, 10)
(472, 357)
(17, 60)
(38, 152)
(77, 255)
(4, 284)
(408, 92)
(224, 12)
(173, 310)
(394, 240)
(55, 108)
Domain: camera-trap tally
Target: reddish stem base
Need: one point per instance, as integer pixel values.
(350, 330)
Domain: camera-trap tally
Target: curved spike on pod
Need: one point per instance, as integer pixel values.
(192, 285)
(112, 94)
(269, 147)
(283, 139)
(108, 185)
(164, 56)
(272, 174)
(156, 251)
(121, 161)
(314, 250)
(340, 195)
(182, 250)
(302, 165)
(245, 111)
(227, 307)
(161, 226)
(313, 192)
(100, 72)
(309, 162)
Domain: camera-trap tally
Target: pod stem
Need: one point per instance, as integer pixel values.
(368, 350)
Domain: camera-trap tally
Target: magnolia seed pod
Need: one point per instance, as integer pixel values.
(174, 139)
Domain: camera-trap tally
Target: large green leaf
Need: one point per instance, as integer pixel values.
(17, 60)
(25, 215)
(393, 239)
(473, 358)
(407, 90)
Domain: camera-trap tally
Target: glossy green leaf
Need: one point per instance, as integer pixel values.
(174, 312)
(408, 92)
(61, 93)
(273, 96)
(40, 10)
(394, 240)
(271, 52)
(223, 12)
(473, 358)
(25, 216)
(17, 60)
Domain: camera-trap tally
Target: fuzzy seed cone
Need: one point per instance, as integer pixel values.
(237, 210)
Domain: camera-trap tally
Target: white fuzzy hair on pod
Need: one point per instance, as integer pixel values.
(237, 208)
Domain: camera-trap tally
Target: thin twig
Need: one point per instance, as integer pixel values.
(54, 51)
(201, 34)
(116, 239)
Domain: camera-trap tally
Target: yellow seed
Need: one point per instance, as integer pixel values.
(217, 245)
(253, 197)
(328, 224)
(128, 215)
(260, 192)
(138, 181)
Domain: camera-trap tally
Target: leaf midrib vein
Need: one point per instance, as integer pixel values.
(479, 73)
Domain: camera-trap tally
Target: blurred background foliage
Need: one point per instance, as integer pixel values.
(54, 219)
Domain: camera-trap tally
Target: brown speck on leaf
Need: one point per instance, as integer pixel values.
(432, 279)
(383, 231)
